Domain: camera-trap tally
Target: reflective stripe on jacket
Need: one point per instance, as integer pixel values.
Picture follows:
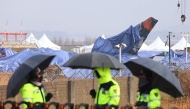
(152, 99)
(31, 93)
(108, 94)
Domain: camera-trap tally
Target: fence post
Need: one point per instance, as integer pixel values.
(71, 91)
(130, 90)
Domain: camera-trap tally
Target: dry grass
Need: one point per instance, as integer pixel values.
(182, 102)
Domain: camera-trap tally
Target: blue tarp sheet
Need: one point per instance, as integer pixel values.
(6, 52)
(177, 58)
(149, 54)
(13, 59)
(9, 64)
(107, 46)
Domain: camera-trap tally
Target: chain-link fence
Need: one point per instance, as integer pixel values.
(176, 64)
(56, 72)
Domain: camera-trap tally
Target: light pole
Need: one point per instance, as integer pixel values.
(186, 34)
(170, 34)
(120, 46)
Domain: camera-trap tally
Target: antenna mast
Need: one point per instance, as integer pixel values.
(21, 30)
(5, 31)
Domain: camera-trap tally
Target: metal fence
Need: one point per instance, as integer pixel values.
(56, 71)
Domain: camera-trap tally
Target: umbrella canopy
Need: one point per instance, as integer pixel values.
(21, 75)
(163, 78)
(93, 60)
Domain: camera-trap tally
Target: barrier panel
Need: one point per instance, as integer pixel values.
(15, 105)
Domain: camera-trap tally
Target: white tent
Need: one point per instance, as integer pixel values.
(46, 43)
(157, 45)
(32, 40)
(144, 47)
(180, 45)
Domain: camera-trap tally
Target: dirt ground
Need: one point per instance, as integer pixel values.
(4, 78)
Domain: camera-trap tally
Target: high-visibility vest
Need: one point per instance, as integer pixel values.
(32, 93)
(108, 94)
(152, 99)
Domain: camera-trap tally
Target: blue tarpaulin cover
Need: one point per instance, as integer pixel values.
(133, 38)
(178, 59)
(149, 54)
(129, 37)
(9, 64)
(6, 52)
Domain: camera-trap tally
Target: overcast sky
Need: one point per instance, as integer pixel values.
(91, 17)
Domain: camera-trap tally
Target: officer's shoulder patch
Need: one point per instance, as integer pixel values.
(115, 90)
(156, 94)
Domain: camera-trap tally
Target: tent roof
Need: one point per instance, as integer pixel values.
(180, 45)
(144, 47)
(158, 45)
(46, 43)
(31, 39)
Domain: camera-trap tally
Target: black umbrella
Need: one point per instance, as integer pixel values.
(93, 60)
(163, 78)
(21, 75)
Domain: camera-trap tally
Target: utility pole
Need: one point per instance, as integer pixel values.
(170, 34)
(186, 34)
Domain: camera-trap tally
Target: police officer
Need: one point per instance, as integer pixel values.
(108, 93)
(33, 91)
(147, 95)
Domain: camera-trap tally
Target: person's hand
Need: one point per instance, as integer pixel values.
(93, 93)
(49, 96)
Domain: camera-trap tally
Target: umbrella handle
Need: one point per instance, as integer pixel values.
(93, 80)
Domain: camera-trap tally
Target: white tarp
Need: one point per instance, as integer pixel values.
(180, 45)
(46, 43)
(103, 36)
(83, 49)
(87, 48)
(157, 45)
